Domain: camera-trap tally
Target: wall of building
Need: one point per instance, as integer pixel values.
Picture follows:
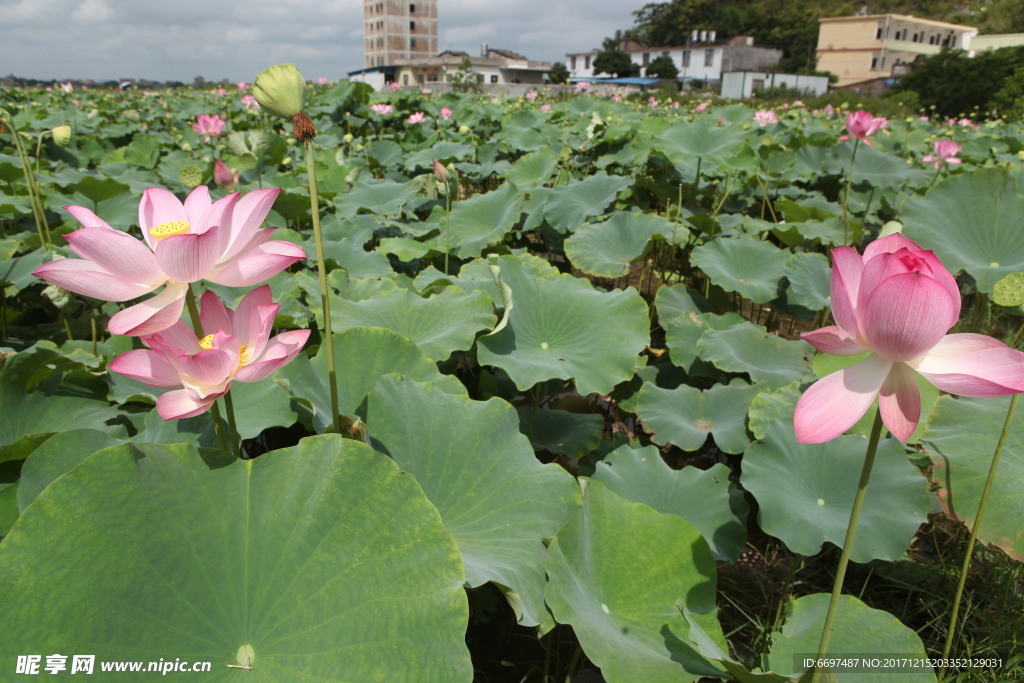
(742, 84)
(398, 29)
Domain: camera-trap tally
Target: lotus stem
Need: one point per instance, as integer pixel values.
(38, 212)
(968, 554)
(236, 442)
(851, 533)
(325, 303)
(846, 196)
(197, 327)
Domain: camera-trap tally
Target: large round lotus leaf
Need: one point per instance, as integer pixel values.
(704, 498)
(972, 221)
(858, 631)
(887, 171)
(805, 493)
(770, 407)
(686, 415)
(258, 406)
(381, 196)
(570, 205)
(564, 328)
(58, 455)
(743, 264)
(810, 278)
(961, 440)
(746, 347)
(361, 355)
(444, 151)
(480, 275)
(608, 249)
(439, 324)
(622, 575)
(533, 169)
(685, 142)
(682, 332)
(311, 563)
(559, 431)
(481, 220)
(494, 496)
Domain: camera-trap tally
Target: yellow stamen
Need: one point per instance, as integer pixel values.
(168, 229)
(244, 356)
(206, 342)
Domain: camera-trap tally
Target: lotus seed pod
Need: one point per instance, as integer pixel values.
(463, 130)
(280, 90)
(61, 135)
(349, 137)
(190, 176)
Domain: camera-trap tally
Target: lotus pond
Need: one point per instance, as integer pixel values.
(550, 434)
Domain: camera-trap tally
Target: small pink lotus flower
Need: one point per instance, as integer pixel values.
(675, 104)
(425, 91)
(829, 110)
(67, 87)
(209, 126)
(242, 86)
(416, 117)
(616, 98)
(219, 92)
(239, 348)
(322, 81)
(765, 117)
(532, 95)
(394, 86)
(862, 125)
(217, 241)
(897, 302)
(582, 86)
(223, 176)
(446, 113)
(250, 103)
(545, 107)
(652, 102)
(382, 109)
(945, 152)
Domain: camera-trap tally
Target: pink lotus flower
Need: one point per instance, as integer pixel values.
(616, 98)
(239, 348)
(701, 107)
(545, 107)
(862, 125)
(945, 152)
(67, 87)
(209, 126)
(446, 113)
(242, 86)
(898, 302)
(417, 117)
(250, 103)
(426, 91)
(322, 81)
(220, 92)
(765, 117)
(223, 176)
(382, 109)
(532, 95)
(582, 86)
(394, 86)
(200, 239)
(652, 102)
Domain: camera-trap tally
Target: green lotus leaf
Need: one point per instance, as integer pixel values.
(533, 169)
(439, 324)
(57, 456)
(494, 496)
(569, 206)
(859, 631)
(608, 249)
(98, 188)
(564, 328)
(988, 245)
(685, 416)
(310, 561)
(743, 264)
(382, 197)
(810, 277)
(260, 405)
(962, 458)
(805, 493)
(622, 575)
(767, 358)
(559, 431)
(481, 220)
(361, 355)
(887, 171)
(444, 151)
(770, 407)
(704, 498)
(684, 142)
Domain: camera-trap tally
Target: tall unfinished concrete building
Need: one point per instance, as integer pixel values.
(398, 30)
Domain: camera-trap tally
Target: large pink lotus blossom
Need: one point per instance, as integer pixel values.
(416, 117)
(200, 239)
(238, 348)
(394, 86)
(945, 153)
(446, 113)
(897, 302)
(382, 109)
(765, 117)
(862, 125)
(209, 126)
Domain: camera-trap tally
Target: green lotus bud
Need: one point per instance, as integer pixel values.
(349, 137)
(463, 130)
(280, 90)
(61, 135)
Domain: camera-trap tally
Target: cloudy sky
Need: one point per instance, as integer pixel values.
(236, 39)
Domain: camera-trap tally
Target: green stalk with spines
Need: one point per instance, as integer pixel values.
(35, 200)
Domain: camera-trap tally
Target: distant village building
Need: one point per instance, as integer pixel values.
(743, 84)
(873, 46)
(396, 30)
(703, 59)
(492, 67)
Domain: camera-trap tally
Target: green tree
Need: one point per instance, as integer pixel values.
(465, 79)
(559, 73)
(662, 67)
(616, 63)
(955, 84)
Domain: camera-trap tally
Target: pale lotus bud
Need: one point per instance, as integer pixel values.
(463, 130)
(280, 90)
(440, 171)
(61, 135)
(224, 176)
(348, 137)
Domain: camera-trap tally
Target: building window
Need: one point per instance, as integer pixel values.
(412, 43)
(686, 58)
(874, 63)
(586, 61)
(647, 58)
(412, 25)
(572, 62)
(878, 33)
(412, 8)
(405, 79)
(709, 57)
(494, 78)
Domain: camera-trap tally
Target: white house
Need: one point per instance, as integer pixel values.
(742, 84)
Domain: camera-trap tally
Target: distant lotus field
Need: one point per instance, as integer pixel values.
(449, 387)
